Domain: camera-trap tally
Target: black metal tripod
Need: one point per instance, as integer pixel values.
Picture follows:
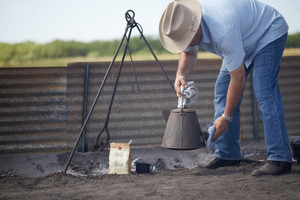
(131, 23)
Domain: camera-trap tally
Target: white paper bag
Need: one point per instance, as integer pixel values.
(119, 158)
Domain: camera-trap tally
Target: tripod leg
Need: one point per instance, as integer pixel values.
(162, 69)
(95, 100)
(113, 94)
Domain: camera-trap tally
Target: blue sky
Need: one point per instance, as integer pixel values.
(86, 20)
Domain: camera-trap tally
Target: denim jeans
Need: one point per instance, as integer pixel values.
(265, 66)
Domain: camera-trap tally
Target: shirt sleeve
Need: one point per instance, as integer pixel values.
(190, 48)
(232, 50)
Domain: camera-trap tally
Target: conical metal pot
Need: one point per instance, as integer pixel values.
(183, 130)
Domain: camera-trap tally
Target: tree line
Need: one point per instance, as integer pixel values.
(22, 52)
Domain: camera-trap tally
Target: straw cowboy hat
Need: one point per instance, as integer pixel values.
(179, 24)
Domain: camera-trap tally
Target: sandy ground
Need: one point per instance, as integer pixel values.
(177, 175)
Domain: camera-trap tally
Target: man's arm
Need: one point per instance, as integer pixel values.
(234, 94)
(186, 64)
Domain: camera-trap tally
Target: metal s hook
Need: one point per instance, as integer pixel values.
(141, 29)
(134, 90)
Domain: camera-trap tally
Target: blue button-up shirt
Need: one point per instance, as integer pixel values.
(237, 29)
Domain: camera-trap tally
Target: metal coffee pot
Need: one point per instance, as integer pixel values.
(183, 130)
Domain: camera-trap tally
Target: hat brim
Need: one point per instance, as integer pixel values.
(177, 46)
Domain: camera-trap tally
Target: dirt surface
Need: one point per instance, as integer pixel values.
(198, 183)
(177, 175)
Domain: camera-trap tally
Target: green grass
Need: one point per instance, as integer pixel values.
(62, 62)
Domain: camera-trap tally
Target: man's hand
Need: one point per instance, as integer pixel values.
(234, 94)
(180, 80)
(187, 61)
(221, 125)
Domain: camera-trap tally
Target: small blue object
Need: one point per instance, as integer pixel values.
(211, 129)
